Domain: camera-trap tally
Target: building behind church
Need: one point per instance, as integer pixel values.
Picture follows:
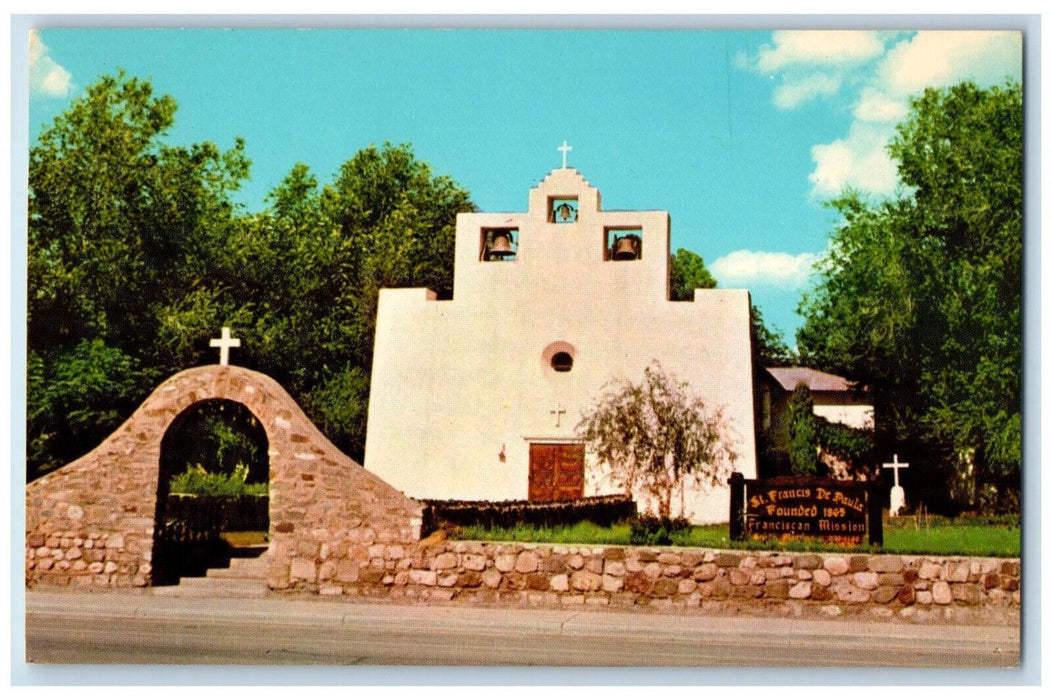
(478, 397)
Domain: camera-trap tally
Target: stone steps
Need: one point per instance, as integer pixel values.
(245, 578)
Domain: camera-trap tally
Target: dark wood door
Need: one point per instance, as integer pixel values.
(556, 472)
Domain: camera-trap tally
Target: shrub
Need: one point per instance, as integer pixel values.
(195, 481)
(650, 530)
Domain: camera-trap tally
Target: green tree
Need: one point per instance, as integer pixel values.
(687, 273)
(921, 297)
(657, 436)
(803, 433)
(121, 226)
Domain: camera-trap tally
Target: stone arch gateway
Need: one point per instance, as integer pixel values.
(91, 523)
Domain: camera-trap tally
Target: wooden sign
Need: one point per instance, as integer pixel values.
(836, 511)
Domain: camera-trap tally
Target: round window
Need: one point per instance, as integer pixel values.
(562, 362)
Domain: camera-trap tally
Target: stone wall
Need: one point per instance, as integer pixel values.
(91, 523)
(908, 587)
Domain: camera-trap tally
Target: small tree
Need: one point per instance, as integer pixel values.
(803, 432)
(657, 436)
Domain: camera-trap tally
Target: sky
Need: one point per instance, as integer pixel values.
(742, 136)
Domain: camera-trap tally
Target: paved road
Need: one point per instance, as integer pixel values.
(144, 628)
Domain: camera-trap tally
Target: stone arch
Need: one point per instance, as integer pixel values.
(91, 522)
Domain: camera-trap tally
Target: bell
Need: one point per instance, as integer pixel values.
(500, 245)
(626, 248)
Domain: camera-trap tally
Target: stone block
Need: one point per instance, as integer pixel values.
(491, 578)
(804, 574)
(470, 579)
(504, 562)
(614, 567)
(446, 560)
(652, 570)
(473, 562)
(687, 586)
(846, 593)
(966, 593)
(726, 560)
(303, 570)
(957, 572)
(941, 593)
(821, 577)
(527, 562)
(554, 564)
(738, 577)
(866, 580)
(925, 598)
(807, 561)
(423, 577)
(885, 594)
(801, 591)
(821, 593)
(886, 564)
(612, 584)
(907, 595)
(638, 582)
(663, 588)
(1010, 568)
(576, 562)
(560, 582)
(585, 581)
(446, 580)
(757, 577)
(536, 581)
(858, 562)
(706, 572)
(668, 558)
(929, 571)
(779, 589)
(614, 554)
(836, 566)
(346, 571)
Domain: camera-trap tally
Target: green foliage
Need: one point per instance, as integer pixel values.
(656, 436)
(135, 246)
(648, 530)
(803, 433)
(851, 445)
(687, 273)
(920, 298)
(768, 347)
(77, 398)
(196, 481)
(941, 536)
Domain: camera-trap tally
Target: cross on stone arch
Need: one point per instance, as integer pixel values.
(224, 343)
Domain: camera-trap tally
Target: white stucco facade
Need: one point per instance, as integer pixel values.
(461, 388)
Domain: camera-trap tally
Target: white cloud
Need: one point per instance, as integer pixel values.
(875, 105)
(858, 161)
(818, 47)
(941, 58)
(793, 93)
(917, 61)
(747, 268)
(46, 78)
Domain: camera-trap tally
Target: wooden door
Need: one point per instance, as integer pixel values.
(556, 472)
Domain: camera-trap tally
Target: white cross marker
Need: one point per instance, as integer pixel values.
(224, 344)
(558, 413)
(565, 149)
(898, 494)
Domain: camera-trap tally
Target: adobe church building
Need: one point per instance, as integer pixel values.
(478, 397)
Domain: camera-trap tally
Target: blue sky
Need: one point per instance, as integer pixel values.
(740, 135)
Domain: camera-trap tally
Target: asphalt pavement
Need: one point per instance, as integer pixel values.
(146, 628)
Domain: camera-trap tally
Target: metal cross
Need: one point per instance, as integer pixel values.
(895, 464)
(224, 343)
(565, 149)
(558, 413)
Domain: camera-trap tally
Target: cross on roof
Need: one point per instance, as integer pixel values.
(224, 343)
(565, 149)
(895, 464)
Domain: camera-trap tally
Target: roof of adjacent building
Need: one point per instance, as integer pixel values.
(790, 377)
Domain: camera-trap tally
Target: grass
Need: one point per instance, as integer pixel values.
(966, 536)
